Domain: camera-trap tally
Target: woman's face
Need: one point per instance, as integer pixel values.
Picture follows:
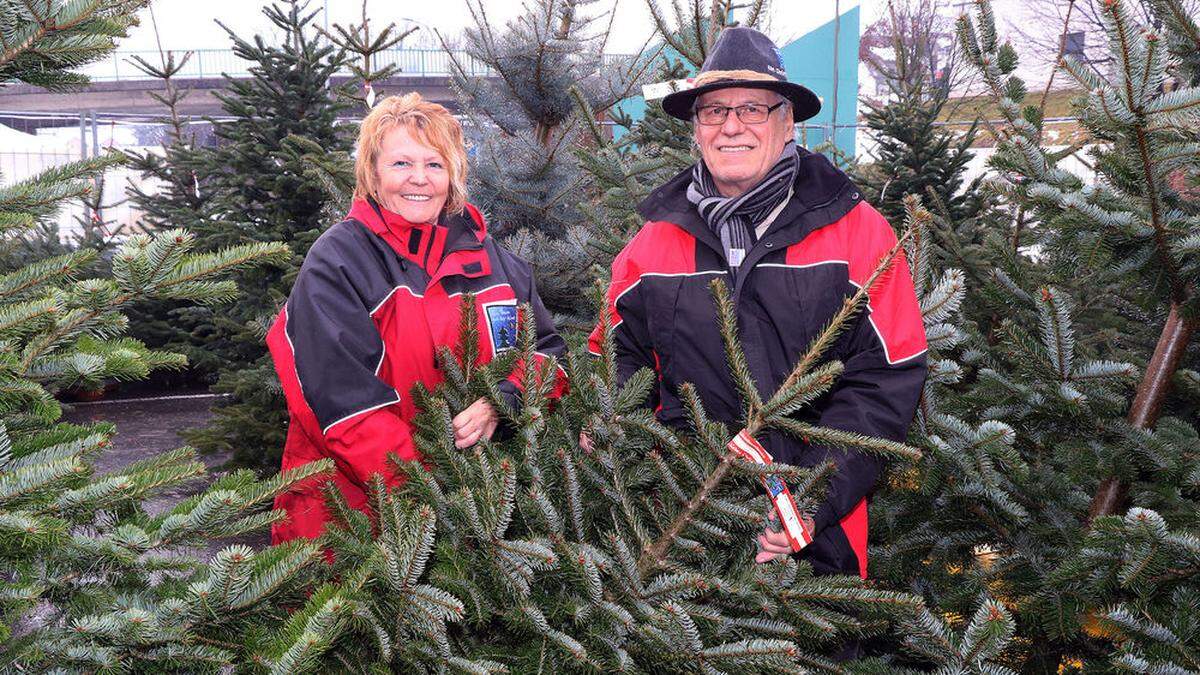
(413, 179)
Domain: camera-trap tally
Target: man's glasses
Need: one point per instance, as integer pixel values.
(750, 113)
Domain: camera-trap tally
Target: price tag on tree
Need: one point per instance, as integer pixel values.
(751, 450)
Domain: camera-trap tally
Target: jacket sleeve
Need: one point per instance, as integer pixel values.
(549, 344)
(626, 312)
(885, 366)
(327, 351)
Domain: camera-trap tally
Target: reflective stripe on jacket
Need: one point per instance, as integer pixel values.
(821, 248)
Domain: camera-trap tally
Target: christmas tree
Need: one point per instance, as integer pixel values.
(177, 199)
(529, 553)
(1048, 524)
(912, 153)
(520, 554)
(1057, 478)
(915, 155)
(92, 580)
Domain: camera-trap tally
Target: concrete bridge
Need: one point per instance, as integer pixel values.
(132, 97)
(119, 87)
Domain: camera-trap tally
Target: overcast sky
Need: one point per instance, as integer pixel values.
(185, 24)
(189, 25)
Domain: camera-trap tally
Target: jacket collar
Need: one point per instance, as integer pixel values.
(821, 195)
(464, 252)
(465, 231)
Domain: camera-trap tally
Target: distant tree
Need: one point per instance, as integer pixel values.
(173, 193)
(252, 185)
(912, 43)
(909, 151)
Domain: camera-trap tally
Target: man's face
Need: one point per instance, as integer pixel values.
(738, 154)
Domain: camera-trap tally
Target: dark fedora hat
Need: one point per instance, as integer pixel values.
(743, 57)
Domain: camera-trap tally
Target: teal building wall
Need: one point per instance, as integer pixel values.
(809, 61)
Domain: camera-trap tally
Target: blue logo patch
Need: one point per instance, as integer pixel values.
(502, 325)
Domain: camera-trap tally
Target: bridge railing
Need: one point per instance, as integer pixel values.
(212, 63)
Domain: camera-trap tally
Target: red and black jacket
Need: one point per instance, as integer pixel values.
(821, 247)
(375, 297)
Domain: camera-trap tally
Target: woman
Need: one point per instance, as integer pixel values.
(377, 294)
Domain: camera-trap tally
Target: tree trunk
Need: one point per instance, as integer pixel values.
(1147, 404)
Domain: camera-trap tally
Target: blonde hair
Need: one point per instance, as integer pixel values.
(429, 123)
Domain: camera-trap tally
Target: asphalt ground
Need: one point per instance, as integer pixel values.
(147, 426)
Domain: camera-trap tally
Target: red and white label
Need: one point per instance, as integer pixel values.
(793, 525)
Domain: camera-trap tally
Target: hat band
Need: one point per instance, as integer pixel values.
(708, 77)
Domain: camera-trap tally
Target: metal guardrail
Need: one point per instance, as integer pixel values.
(213, 63)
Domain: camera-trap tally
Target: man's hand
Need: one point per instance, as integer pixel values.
(477, 422)
(773, 543)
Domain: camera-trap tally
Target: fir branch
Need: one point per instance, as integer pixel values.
(54, 270)
(653, 553)
(850, 439)
(669, 36)
(1179, 20)
(189, 271)
(739, 369)
(65, 20)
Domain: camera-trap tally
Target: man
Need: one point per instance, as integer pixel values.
(792, 238)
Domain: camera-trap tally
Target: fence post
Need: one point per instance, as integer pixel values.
(97, 181)
(83, 153)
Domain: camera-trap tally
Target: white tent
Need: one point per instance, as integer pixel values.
(12, 140)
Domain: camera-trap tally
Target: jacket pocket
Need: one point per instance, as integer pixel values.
(661, 296)
(693, 349)
(803, 302)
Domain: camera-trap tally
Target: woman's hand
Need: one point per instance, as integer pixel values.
(477, 422)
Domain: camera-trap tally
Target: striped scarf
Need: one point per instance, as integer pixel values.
(733, 218)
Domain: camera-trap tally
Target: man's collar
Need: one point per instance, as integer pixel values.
(819, 185)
